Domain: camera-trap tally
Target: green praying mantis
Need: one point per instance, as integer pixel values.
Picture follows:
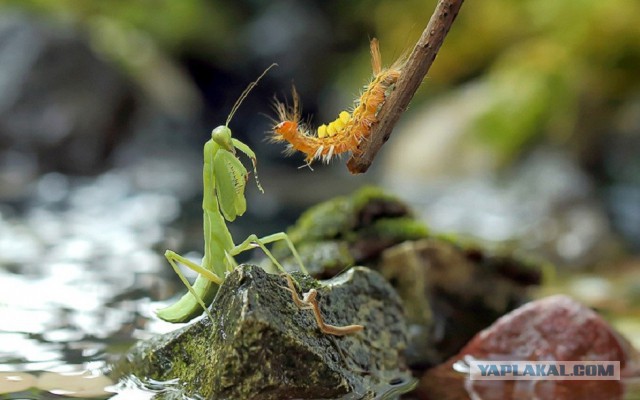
(224, 178)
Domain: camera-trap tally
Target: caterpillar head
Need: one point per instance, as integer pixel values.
(287, 129)
(288, 116)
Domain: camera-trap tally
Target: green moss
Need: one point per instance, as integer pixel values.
(396, 229)
(367, 194)
(325, 255)
(339, 217)
(326, 220)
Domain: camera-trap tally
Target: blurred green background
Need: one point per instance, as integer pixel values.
(557, 70)
(525, 134)
(555, 82)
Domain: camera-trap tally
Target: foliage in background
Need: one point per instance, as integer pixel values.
(553, 68)
(197, 24)
(557, 69)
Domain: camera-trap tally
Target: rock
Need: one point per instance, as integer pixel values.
(451, 292)
(351, 230)
(58, 99)
(261, 346)
(553, 328)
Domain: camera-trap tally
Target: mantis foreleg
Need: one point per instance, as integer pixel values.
(252, 240)
(249, 153)
(230, 180)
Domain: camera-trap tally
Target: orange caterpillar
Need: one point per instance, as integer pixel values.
(347, 131)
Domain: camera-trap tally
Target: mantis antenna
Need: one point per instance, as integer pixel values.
(245, 93)
(237, 105)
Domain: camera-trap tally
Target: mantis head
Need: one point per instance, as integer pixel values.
(222, 136)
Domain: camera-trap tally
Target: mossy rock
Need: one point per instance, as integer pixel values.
(350, 230)
(261, 346)
(451, 292)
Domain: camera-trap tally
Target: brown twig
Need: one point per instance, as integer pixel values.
(413, 73)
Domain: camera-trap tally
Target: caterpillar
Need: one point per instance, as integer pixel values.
(345, 133)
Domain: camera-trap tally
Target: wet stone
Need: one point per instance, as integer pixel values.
(554, 328)
(261, 346)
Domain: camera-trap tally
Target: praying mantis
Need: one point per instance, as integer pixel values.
(224, 180)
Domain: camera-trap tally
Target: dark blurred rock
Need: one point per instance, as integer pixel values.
(261, 346)
(58, 100)
(451, 292)
(619, 170)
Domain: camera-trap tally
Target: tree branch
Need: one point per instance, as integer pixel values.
(413, 73)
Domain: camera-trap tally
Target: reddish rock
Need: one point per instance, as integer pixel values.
(438, 384)
(553, 328)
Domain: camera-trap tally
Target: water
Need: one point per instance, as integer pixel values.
(81, 272)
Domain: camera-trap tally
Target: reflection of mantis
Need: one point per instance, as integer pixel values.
(224, 179)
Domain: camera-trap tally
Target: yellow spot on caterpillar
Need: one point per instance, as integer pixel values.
(331, 129)
(322, 131)
(344, 117)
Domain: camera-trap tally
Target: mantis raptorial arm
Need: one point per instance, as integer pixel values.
(254, 161)
(249, 242)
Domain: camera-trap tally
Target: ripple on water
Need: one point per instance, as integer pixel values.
(79, 267)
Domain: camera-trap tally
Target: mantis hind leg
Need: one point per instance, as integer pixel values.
(252, 240)
(200, 293)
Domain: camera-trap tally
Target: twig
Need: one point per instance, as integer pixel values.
(413, 73)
